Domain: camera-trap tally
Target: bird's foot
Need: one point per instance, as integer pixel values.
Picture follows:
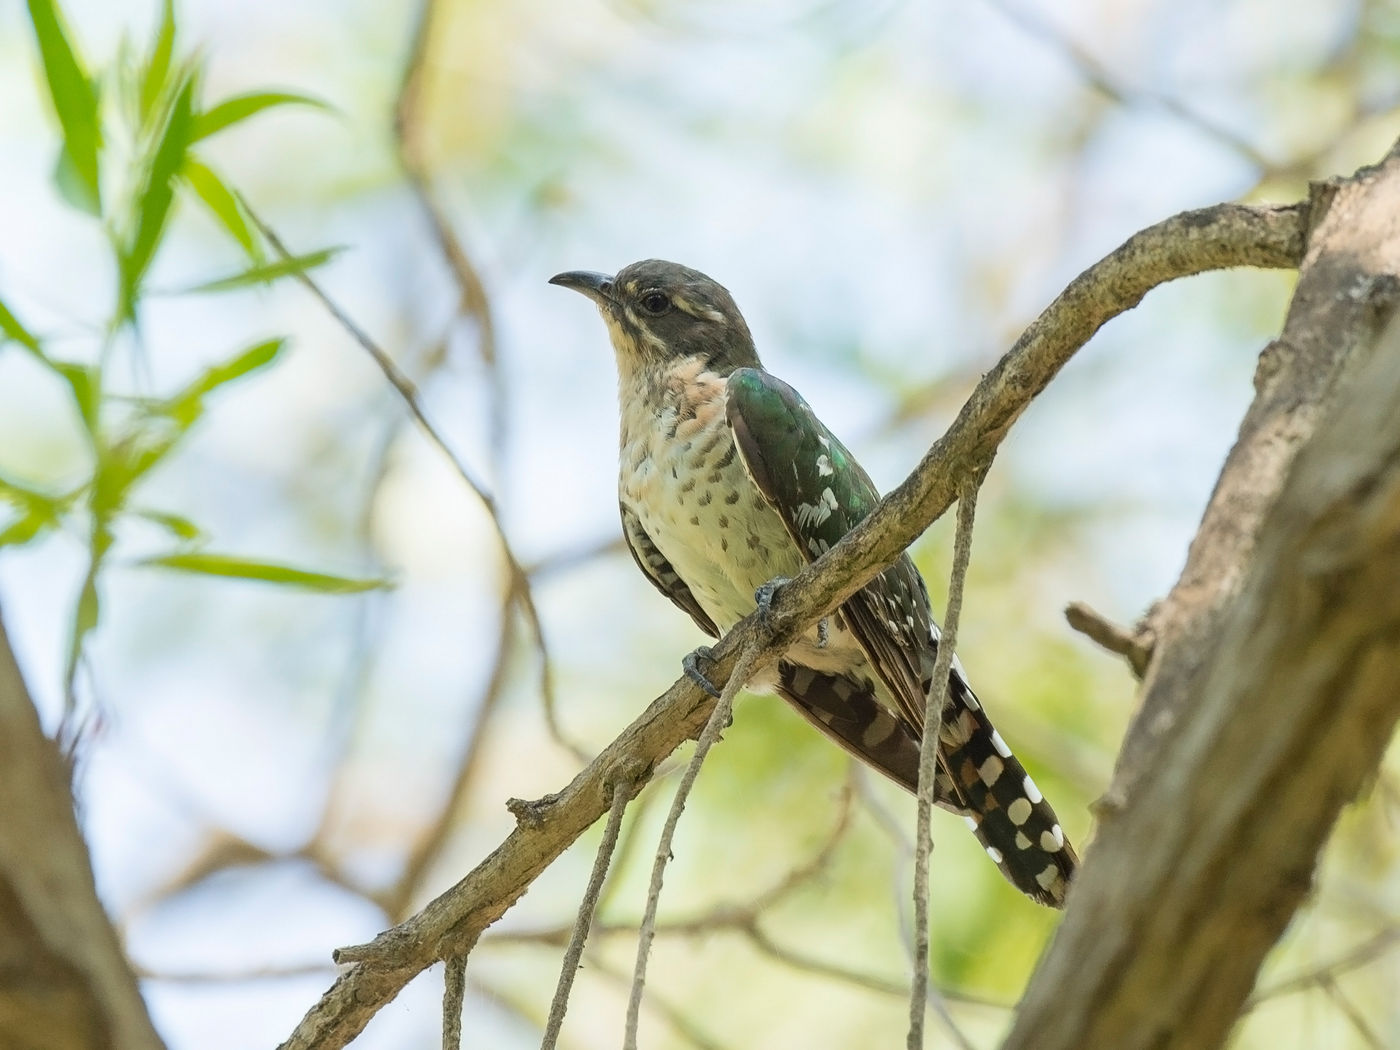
(821, 633)
(763, 597)
(690, 664)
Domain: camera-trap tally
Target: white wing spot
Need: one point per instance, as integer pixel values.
(991, 770)
(821, 440)
(824, 469)
(1052, 840)
(809, 514)
(1032, 792)
(971, 822)
(818, 546)
(1021, 841)
(1048, 878)
(1019, 811)
(995, 854)
(1000, 745)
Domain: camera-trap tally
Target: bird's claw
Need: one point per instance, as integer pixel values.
(763, 596)
(690, 664)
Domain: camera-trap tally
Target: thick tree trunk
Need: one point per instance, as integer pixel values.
(64, 982)
(1275, 686)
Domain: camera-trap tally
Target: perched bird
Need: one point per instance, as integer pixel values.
(727, 482)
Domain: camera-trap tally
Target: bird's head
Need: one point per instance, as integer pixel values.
(659, 312)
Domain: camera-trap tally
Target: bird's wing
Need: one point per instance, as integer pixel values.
(821, 493)
(659, 571)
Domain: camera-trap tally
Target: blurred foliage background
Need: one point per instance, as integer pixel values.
(278, 626)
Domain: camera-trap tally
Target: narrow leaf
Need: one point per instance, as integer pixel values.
(157, 70)
(185, 407)
(85, 381)
(75, 101)
(177, 525)
(85, 620)
(23, 529)
(11, 328)
(221, 202)
(240, 107)
(268, 272)
(232, 567)
(154, 200)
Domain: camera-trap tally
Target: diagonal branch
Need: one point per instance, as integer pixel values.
(1193, 242)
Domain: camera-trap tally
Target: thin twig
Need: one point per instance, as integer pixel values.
(586, 908)
(1133, 644)
(928, 755)
(454, 993)
(1098, 76)
(1366, 952)
(1351, 1013)
(719, 718)
(404, 386)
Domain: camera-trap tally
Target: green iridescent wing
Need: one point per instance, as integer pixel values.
(821, 493)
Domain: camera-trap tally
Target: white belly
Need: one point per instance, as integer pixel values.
(718, 532)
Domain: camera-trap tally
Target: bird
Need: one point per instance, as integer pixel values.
(728, 484)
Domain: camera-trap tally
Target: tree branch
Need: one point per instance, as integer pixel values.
(1193, 242)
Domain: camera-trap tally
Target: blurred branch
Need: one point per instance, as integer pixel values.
(64, 982)
(1133, 644)
(1193, 242)
(1094, 73)
(1366, 952)
(520, 589)
(473, 303)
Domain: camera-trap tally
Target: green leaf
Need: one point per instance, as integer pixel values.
(269, 272)
(156, 194)
(23, 529)
(186, 406)
(231, 567)
(75, 100)
(11, 329)
(85, 620)
(240, 107)
(157, 70)
(177, 525)
(222, 203)
(85, 381)
(37, 511)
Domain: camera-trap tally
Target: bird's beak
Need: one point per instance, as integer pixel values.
(597, 286)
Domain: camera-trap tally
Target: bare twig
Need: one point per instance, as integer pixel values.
(928, 755)
(1098, 76)
(520, 589)
(579, 937)
(1348, 1010)
(1133, 644)
(743, 670)
(454, 992)
(1368, 951)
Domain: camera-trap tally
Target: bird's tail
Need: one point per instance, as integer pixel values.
(1000, 801)
(978, 777)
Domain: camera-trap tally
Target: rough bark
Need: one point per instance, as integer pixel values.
(1273, 692)
(64, 982)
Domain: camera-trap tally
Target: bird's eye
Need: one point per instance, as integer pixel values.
(656, 302)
